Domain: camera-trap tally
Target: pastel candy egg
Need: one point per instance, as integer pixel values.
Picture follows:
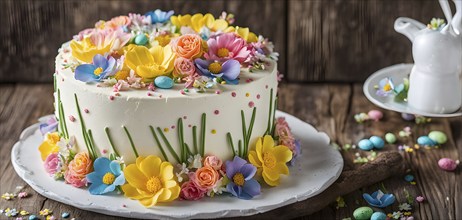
(390, 138)
(365, 144)
(425, 141)
(32, 217)
(375, 115)
(438, 137)
(378, 216)
(447, 164)
(65, 215)
(409, 178)
(141, 39)
(363, 213)
(163, 82)
(407, 117)
(377, 142)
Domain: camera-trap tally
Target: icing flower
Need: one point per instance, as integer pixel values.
(183, 67)
(120, 21)
(379, 199)
(77, 169)
(227, 46)
(101, 68)
(205, 177)
(150, 181)
(188, 46)
(105, 177)
(151, 63)
(159, 16)
(227, 71)
(270, 160)
(52, 164)
(386, 87)
(48, 124)
(190, 191)
(285, 136)
(242, 184)
(198, 21)
(213, 161)
(49, 145)
(244, 33)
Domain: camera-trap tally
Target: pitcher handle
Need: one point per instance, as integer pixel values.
(408, 26)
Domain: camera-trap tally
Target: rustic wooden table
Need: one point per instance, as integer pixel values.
(328, 107)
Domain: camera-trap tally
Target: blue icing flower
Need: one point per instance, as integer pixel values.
(159, 16)
(379, 199)
(99, 70)
(227, 71)
(106, 177)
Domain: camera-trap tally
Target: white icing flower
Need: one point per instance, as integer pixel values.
(219, 188)
(183, 171)
(120, 160)
(195, 161)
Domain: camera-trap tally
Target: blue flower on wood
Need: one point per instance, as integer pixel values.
(106, 177)
(101, 68)
(240, 174)
(227, 71)
(379, 199)
(159, 16)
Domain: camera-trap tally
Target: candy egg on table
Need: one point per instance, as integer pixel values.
(447, 164)
(365, 144)
(378, 216)
(377, 142)
(375, 115)
(363, 213)
(390, 138)
(438, 137)
(425, 141)
(407, 117)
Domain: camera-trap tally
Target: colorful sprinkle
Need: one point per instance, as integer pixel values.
(420, 199)
(71, 118)
(111, 98)
(166, 129)
(214, 131)
(173, 127)
(247, 94)
(233, 94)
(266, 86)
(218, 92)
(104, 151)
(86, 111)
(182, 92)
(125, 206)
(258, 96)
(189, 125)
(45, 212)
(216, 112)
(24, 212)
(184, 117)
(149, 94)
(251, 104)
(22, 195)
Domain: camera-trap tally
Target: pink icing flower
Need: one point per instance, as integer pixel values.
(77, 170)
(117, 22)
(190, 191)
(205, 178)
(227, 46)
(115, 38)
(214, 162)
(183, 67)
(52, 163)
(282, 131)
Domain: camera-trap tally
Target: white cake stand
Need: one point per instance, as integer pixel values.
(397, 72)
(316, 169)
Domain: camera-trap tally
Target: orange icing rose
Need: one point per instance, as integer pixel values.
(206, 177)
(116, 22)
(77, 169)
(188, 46)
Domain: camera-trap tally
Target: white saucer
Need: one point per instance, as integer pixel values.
(317, 168)
(397, 72)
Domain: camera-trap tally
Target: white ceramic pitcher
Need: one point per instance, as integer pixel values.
(434, 84)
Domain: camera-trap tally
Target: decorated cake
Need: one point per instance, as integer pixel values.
(160, 107)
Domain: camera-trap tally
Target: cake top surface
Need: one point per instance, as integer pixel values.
(168, 54)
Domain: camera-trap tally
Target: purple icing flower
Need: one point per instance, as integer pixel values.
(227, 71)
(379, 199)
(99, 70)
(159, 16)
(240, 174)
(48, 124)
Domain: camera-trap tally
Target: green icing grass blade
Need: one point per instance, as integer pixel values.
(270, 111)
(230, 142)
(249, 132)
(84, 132)
(181, 139)
(131, 141)
(169, 146)
(194, 131)
(106, 129)
(158, 143)
(203, 124)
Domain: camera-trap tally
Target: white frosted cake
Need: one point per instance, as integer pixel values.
(162, 106)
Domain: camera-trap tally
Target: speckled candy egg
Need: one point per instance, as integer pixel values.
(378, 216)
(141, 39)
(163, 82)
(363, 213)
(377, 142)
(365, 144)
(438, 137)
(447, 164)
(425, 141)
(407, 117)
(390, 138)
(375, 115)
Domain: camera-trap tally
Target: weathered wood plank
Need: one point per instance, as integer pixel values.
(346, 41)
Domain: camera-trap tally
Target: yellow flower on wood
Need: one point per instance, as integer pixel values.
(49, 145)
(150, 181)
(150, 63)
(270, 160)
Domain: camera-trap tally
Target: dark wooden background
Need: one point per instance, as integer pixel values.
(319, 40)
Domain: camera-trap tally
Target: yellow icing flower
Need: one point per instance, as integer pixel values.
(85, 50)
(150, 63)
(270, 160)
(197, 21)
(244, 33)
(150, 181)
(49, 146)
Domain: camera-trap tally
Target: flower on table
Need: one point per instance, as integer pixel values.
(227, 46)
(188, 46)
(148, 64)
(240, 173)
(150, 181)
(227, 71)
(190, 191)
(10, 212)
(404, 206)
(270, 160)
(379, 199)
(48, 124)
(159, 16)
(101, 68)
(107, 175)
(49, 145)
(8, 196)
(77, 170)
